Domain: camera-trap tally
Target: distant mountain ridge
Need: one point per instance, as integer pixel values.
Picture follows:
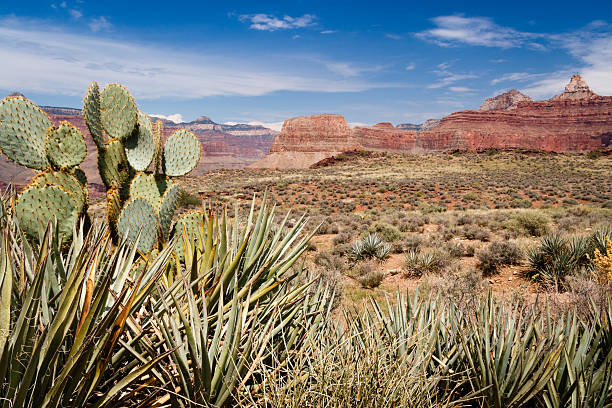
(223, 146)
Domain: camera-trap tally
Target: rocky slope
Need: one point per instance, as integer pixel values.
(506, 101)
(575, 120)
(223, 146)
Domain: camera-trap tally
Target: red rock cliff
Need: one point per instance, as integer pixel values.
(575, 120)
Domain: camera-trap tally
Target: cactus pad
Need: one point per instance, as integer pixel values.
(91, 114)
(166, 211)
(138, 216)
(140, 147)
(181, 153)
(118, 112)
(65, 146)
(144, 186)
(80, 175)
(190, 224)
(68, 182)
(38, 204)
(112, 164)
(23, 128)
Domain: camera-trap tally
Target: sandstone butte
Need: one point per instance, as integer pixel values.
(573, 121)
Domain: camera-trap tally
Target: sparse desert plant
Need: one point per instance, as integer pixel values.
(370, 246)
(387, 232)
(497, 254)
(418, 263)
(413, 241)
(475, 232)
(530, 223)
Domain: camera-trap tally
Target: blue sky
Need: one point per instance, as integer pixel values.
(267, 61)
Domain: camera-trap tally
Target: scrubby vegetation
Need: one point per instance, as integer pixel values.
(392, 294)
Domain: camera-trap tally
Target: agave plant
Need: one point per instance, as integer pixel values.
(371, 246)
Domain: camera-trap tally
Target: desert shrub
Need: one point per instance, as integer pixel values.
(474, 232)
(462, 286)
(418, 263)
(324, 228)
(497, 254)
(413, 223)
(372, 279)
(329, 262)
(387, 232)
(529, 223)
(455, 249)
(186, 200)
(413, 241)
(342, 238)
(586, 294)
(371, 246)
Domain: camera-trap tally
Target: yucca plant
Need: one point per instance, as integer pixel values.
(235, 303)
(584, 377)
(64, 312)
(370, 246)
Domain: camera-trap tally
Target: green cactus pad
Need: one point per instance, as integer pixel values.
(118, 112)
(91, 114)
(80, 175)
(23, 128)
(181, 153)
(68, 182)
(38, 204)
(138, 215)
(112, 164)
(113, 207)
(144, 186)
(140, 146)
(189, 223)
(168, 206)
(65, 146)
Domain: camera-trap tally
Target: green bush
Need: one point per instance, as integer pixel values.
(387, 232)
(529, 223)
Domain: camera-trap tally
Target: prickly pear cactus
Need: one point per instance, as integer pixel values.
(28, 137)
(140, 199)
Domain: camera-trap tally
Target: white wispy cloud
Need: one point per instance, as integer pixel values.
(52, 61)
(592, 48)
(482, 31)
(176, 117)
(269, 22)
(329, 32)
(74, 13)
(516, 77)
(460, 89)
(348, 69)
(394, 36)
(447, 77)
(99, 23)
(410, 66)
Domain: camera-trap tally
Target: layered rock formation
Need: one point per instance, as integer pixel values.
(576, 120)
(223, 146)
(506, 101)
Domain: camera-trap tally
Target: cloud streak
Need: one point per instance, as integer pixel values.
(268, 22)
(59, 62)
(480, 31)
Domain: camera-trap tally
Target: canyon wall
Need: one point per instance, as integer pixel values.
(573, 121)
